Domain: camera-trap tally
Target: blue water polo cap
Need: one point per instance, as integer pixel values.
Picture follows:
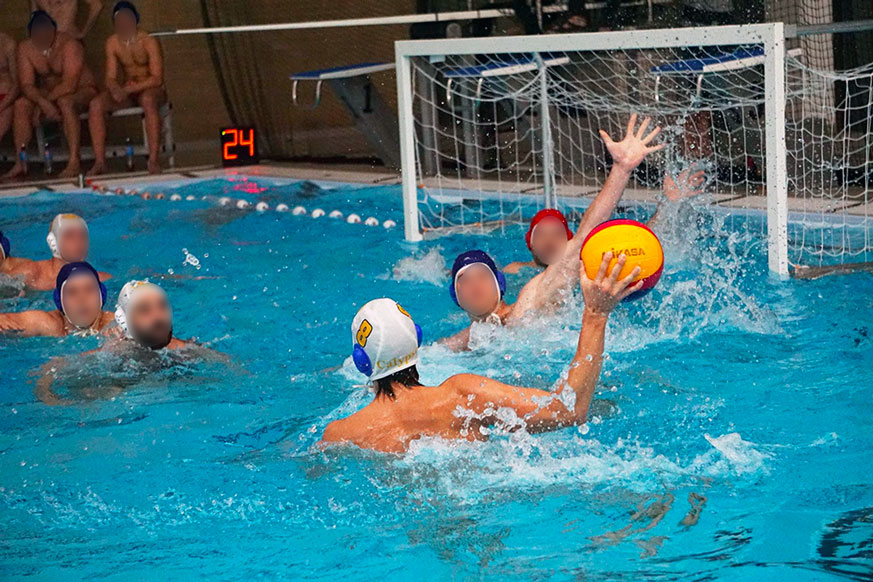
(74, 270)
(4, 245)
(475, 257)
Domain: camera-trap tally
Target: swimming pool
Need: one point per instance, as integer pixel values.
(722, 383)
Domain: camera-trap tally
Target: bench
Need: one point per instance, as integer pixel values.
(169, 145)
(499, 68)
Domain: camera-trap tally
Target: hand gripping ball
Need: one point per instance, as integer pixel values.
(638, 243)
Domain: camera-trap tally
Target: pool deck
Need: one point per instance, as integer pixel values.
(359, 174)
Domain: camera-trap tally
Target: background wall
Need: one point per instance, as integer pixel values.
(254, 82)
(190, 76)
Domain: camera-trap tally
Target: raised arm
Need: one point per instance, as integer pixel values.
(543, 410)
(685, 185)
(94, 8)
(626, 154)
(156, 68)
(74, 63)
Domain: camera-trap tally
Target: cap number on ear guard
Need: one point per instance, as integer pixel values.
(363, 333)
(359, 356)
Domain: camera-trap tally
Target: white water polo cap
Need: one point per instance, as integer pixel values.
(60, 223)
(132, 292)
(385, 339)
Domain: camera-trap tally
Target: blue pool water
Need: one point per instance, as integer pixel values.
(722, 383)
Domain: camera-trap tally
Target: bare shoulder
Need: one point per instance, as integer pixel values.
(464, 384)
(336, 431)
(26, 48)
(150, 41)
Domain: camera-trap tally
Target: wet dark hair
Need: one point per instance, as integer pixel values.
(39, 18)
(119, 6)
(408, 377)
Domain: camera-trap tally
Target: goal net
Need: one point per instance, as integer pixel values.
(494, 129)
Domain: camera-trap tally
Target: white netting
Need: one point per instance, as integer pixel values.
(501, 135)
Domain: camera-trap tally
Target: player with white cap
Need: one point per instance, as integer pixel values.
(68, 241)
(144, 316)
(385, 349)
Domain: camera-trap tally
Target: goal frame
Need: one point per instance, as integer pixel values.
(770, 36)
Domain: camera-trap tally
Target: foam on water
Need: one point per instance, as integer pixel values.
(429, 267)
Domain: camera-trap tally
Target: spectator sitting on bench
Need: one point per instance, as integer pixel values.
(54, 83)
(139, 56)
(8, 82)
(65, 12)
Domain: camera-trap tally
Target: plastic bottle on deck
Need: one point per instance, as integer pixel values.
(128, 151)
(49, 160)
(22, 157)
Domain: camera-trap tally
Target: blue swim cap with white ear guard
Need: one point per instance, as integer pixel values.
(75, 270)
(4, 245)
(385, 339)
(475, 257)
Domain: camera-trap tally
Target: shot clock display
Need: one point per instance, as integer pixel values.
(239, 146)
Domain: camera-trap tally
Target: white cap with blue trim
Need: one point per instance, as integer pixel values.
(385, 338)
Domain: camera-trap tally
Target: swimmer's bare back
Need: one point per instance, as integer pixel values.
(462, 406)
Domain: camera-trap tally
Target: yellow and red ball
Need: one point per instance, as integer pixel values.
(636, 241)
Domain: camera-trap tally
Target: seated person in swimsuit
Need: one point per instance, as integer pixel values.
(8, 82)
(79, 297)
(139, 57)
(386, 349)
(68, 240)
(55, 85)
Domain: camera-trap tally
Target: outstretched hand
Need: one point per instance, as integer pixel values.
(606, 291)
(633, 149)
(685, 185)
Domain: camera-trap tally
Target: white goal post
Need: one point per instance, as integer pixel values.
(512, 119)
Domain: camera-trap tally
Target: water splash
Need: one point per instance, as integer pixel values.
(428, 268)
